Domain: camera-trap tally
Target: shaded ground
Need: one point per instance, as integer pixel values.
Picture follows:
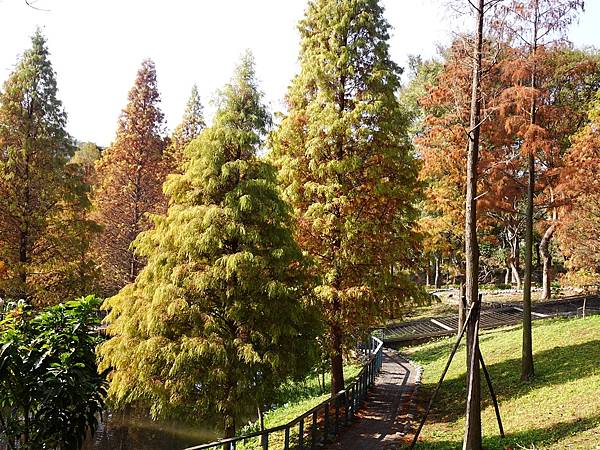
(385, 417)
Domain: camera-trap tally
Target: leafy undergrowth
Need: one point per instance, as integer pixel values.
(299, 398)
(559, 409)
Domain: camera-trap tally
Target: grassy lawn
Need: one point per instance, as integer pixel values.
(308, 396)
(560, 409)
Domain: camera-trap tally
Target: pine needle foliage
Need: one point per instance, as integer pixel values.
(215, 320)
(348, 168)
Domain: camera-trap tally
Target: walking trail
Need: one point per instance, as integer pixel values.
(385, 418)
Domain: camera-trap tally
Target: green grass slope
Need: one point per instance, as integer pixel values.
(559, 409)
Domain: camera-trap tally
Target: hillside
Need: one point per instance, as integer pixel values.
(560, 409)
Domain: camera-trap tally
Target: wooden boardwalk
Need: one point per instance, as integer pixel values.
(386, 417)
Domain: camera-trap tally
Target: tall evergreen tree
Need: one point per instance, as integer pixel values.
(129, 182)
(189, 129)
(214, 320)
(43, 232)
(348, 168)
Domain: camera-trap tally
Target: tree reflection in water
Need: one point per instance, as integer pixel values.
(129, 430)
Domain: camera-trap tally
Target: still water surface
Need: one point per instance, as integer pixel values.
(133, 431)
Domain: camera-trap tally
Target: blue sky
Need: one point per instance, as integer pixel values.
(97, 46)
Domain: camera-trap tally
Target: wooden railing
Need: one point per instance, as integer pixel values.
(318, 425)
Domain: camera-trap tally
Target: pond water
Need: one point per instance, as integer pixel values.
(134, 431)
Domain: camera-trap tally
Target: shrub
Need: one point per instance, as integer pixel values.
(51, 393)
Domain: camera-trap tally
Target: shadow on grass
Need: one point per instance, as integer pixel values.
(523, 439)
(553, 367)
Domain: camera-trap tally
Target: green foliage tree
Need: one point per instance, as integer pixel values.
(348, 168)
(51, 393)
(423, 76)
(43, 201)
(189, 129)
(85, 158)
(214, 321)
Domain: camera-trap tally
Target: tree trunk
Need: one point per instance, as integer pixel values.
(513, 260)
(23, 257)
(321, 388)
(438, 275)
(228, 413)
(261, 418)
(134, 268)
(337, 363)
(461, 308)
(527, 369)
(538, 258)
(507, 276)
(228, 429)
(516, 278)
(24, 233)
(472, 437)
(517, 252)
(336, 331)
(547, 258)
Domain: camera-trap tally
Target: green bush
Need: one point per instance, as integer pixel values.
(51, 393)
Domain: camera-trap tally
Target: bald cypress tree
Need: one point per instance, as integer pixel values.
(347, 167)
(129, 178)
(215, 319)
(189, 129)
(44, 235)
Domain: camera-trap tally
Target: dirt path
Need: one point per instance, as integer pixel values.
(385, 418)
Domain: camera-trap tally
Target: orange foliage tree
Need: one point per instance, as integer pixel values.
(442, 147)
(129, 176)
(536, 26)
(579, 229)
